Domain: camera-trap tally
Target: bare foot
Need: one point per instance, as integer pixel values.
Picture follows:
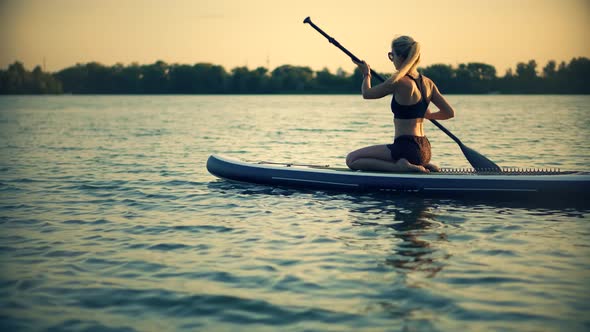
(432, 167)
(423, 169)
(409, 167)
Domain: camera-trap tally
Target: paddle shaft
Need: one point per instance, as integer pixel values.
(373, 73)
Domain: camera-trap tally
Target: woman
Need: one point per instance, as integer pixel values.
(412, 92)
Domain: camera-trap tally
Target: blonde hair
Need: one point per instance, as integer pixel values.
(409, 49)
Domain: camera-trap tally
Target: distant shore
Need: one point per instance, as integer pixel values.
(206, 78)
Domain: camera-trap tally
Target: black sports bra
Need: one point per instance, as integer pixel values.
(414, 111)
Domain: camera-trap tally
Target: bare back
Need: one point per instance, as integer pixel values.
(408, 93)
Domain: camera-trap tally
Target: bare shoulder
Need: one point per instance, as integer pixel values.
(430, 86)
(428, 82)
(404, 84)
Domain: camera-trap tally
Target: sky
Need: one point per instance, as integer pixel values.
(270, 33)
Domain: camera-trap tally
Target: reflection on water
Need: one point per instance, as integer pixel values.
(410, 221)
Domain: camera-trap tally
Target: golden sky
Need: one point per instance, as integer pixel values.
(259, 32)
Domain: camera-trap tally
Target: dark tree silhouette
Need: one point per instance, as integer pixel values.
(17, 80)
(206, 78)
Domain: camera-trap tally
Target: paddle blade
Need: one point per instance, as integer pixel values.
(478, 161)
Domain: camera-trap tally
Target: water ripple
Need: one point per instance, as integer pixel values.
(110, 221)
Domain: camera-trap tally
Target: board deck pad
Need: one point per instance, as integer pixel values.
(443, 171)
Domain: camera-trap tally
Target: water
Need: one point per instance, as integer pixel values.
(110, 222)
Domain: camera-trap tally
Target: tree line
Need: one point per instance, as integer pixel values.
(206, 78)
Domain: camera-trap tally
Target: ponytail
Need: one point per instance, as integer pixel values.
(409, 49)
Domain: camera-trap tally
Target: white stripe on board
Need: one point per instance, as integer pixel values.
(314, 181)
(480, 189)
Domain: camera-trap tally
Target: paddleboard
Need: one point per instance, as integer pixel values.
(548, 183)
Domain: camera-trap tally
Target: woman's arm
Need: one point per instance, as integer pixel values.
(445, 110)
(379, 91)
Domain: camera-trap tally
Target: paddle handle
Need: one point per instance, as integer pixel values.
(446, 131)
(342, 48)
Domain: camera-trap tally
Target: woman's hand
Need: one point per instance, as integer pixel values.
(364, 67)
(378, 91)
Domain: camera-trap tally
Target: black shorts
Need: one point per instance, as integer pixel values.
(415, 149)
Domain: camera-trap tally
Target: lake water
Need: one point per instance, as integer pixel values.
(109, 220)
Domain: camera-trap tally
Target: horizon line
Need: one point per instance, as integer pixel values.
(43, 64)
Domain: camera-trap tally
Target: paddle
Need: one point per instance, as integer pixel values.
(478, 161)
